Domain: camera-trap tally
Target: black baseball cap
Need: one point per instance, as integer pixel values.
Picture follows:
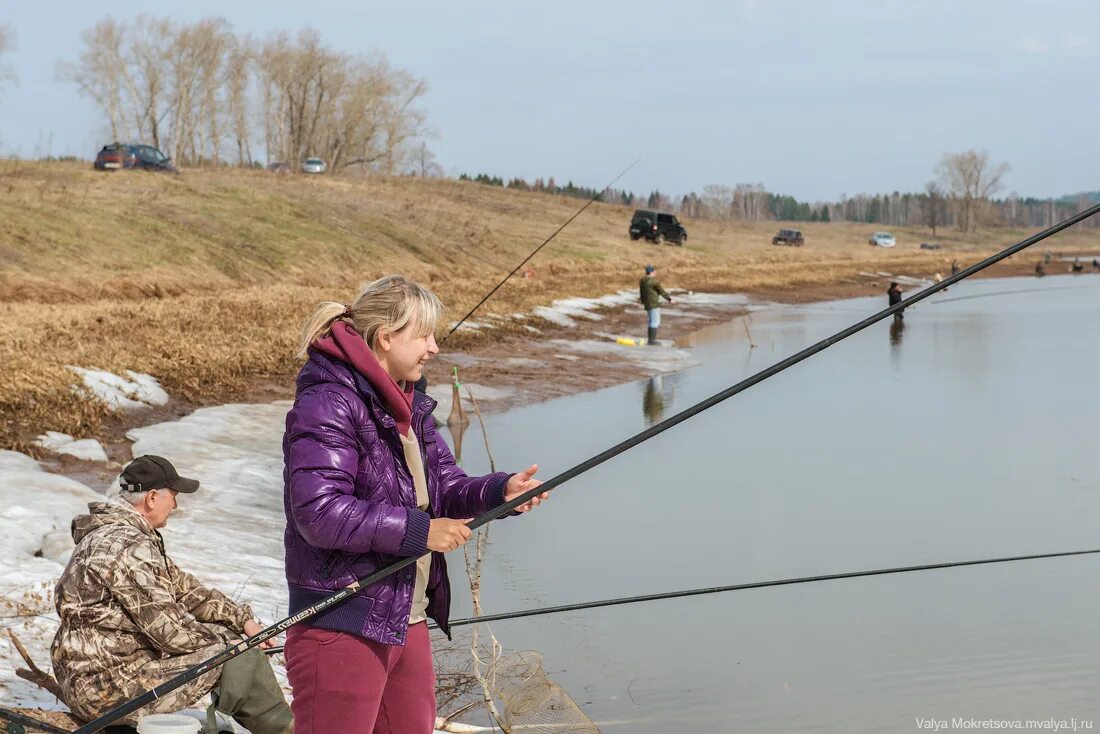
(154, 472)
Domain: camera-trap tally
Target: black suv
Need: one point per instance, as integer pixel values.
(788, 237)
(117, 156)
(657, 227)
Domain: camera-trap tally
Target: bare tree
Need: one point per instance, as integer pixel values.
(750, 201)
(7, 45)
(425, 165)
(99, 71)
(351, 111)
(718, 201)
(193, 90)
(238, 67)
(935, 207)
(404, 121)
(971, 178)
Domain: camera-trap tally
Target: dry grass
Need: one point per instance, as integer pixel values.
(203, 279)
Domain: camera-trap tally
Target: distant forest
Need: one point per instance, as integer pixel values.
(932, 208)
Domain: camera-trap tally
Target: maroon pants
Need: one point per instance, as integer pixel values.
(346, 684)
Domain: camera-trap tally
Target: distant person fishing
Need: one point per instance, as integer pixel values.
(650, 294)
(893, 296)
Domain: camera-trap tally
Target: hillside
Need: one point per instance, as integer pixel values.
(203, 279)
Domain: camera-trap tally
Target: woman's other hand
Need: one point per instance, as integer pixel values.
(524, 482)
(445, 534)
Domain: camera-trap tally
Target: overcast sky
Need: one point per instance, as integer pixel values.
(814, 99)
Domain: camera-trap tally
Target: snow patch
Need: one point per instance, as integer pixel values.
(36, 508)
(62, 443)
(564, 311)
(132, 392)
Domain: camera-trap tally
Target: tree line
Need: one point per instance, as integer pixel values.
(960, 195)
(204, 94)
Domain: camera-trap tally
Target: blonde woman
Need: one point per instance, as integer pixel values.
(367, 480)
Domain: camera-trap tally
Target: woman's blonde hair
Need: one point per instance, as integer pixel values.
(392, 302)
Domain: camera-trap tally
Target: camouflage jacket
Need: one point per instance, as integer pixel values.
(129, 614)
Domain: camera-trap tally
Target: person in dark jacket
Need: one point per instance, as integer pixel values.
(893, 295)
(368, 481)
(650, 294)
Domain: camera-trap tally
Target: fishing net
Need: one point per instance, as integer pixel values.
(531, 702)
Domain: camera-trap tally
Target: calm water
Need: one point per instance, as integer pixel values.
(970, 433)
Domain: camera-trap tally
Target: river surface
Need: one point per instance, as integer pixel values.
(968, 431)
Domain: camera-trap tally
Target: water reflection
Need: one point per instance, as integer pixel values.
(896, 330)
(458, 430)
(854, 459)
(653, 401)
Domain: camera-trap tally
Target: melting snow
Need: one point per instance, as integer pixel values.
(229, 533)
(62, 443)
(36, 508)
(123, 393)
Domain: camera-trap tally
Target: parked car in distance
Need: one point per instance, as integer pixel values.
(314, 165)
(791, 237)
(118, 156)
(279, 167)
(657, 227)
(882, 239)
(931, 246)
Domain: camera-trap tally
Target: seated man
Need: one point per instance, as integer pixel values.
(131, 619)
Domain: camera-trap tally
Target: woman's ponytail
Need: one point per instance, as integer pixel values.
(319, 324)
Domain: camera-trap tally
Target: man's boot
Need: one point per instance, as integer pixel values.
(652, 336)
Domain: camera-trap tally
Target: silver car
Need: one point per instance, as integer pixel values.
(882, 239)
(314, 165)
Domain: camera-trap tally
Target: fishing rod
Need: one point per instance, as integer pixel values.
(506, 508)
(534, 252)
(19, 723)
(741, 587)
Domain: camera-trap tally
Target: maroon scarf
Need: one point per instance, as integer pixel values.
(346, 345)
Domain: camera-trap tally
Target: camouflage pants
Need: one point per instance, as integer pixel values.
(90, 698)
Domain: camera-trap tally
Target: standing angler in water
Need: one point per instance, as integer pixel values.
(368, 481)
(650, 292)
(893, 295)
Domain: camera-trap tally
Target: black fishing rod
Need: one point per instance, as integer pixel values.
(19, 723)
(534, 252)
(233, 651)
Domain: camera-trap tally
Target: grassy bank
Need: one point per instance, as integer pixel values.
(203, 279)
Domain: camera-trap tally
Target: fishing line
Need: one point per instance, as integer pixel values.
(534, 252)
(506, 508)
(743, 587)
(1008, 293)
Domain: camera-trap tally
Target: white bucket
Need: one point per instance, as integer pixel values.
(168, 724)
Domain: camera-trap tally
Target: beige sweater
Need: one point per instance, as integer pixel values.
(413, 458)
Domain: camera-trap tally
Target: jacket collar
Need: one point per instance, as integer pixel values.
(321, 368)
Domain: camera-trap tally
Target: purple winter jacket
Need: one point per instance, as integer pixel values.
(351, 505)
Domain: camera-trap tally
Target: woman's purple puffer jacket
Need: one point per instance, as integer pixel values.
(351, 505)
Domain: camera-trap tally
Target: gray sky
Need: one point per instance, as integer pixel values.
(813, 99)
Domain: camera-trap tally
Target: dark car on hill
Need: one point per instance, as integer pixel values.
(657, 227)
(788, 237)
(118, 156)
